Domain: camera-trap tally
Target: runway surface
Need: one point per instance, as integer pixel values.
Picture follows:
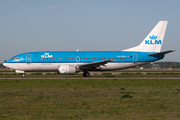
(90, 78)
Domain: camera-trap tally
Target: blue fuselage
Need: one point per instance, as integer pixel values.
(83, 57)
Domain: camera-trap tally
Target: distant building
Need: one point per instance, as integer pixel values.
(155, 66)
(141, 68)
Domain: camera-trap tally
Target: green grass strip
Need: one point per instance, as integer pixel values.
(90, 99)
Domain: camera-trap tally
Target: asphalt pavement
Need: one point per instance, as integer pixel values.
(90, 78)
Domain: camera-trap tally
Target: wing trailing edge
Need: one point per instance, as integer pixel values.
(93, 64)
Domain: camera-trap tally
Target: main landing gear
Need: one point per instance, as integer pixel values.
(86, 74)
(23, 75)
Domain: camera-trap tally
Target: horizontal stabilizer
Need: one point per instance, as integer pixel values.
(161, 53)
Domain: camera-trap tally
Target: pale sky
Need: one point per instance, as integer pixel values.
(97, 25)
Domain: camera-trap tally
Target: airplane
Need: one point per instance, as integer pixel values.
(72, 62)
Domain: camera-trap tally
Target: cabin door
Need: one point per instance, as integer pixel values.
(28, 58)
(135, 58)
(77, 59)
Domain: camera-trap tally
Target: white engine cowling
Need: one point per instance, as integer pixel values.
(67, 69)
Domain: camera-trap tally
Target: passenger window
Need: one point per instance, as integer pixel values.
(49, 58)
(89, 58)
(122, 58)
(70, 58)
(52, 58)
(81, 58)
(41, 58)
(46, 58)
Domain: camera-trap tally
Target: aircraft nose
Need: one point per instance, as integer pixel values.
(4, 64)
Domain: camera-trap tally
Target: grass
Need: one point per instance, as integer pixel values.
(90, 99)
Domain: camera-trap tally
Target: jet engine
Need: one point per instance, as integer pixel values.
(67, 69)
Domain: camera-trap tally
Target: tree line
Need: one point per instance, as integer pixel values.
(163, 65)
(1, 65)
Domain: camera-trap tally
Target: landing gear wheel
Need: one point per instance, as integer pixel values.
(23, 75)
(86, 74)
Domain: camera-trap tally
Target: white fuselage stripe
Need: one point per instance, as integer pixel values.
(54, 66)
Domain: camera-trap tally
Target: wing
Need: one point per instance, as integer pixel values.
(93, 65)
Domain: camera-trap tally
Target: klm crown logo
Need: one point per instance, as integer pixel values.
(153, 41)
(153, 37)
(46, 55)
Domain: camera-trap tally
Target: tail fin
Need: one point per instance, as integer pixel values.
(154, 40)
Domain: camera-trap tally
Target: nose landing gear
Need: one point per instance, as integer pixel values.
(23, 75)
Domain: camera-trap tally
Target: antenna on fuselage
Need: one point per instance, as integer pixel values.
(77, 50)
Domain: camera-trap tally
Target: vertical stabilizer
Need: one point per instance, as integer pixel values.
(154, 40)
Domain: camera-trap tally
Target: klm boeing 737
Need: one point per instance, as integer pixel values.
(72, 62)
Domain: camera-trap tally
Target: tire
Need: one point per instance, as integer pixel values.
(23, 75)
(86, 74)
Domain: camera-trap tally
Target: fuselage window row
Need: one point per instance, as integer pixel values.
(82, 58)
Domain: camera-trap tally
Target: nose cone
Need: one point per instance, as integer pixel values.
(6, 63)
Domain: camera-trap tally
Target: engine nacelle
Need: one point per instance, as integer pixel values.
(67, 69)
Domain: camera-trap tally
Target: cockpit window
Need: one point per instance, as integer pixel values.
(15, 58)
